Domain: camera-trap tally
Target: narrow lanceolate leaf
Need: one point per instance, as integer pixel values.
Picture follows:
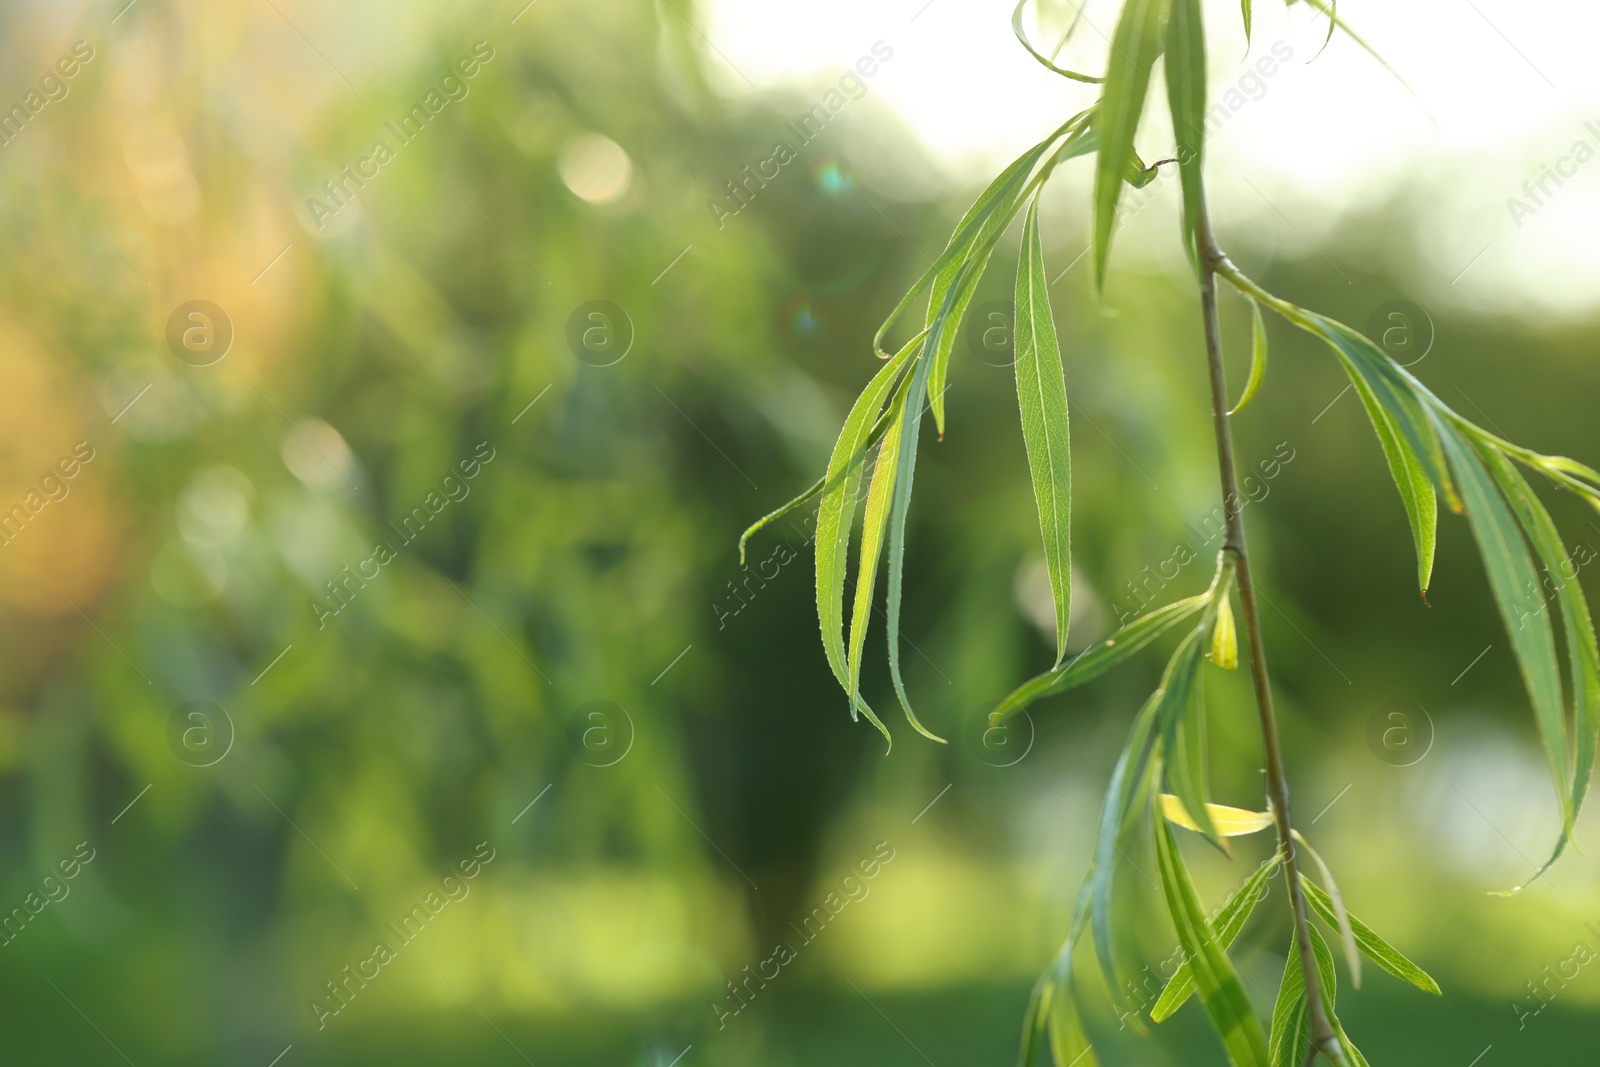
(1000, 196)
(1126, 797)
(1230, 920)
(878, 428)
(946, 324)
(967, 253)
(1228, 821)
(1258, 357)
(1416, 490)
(1515, 582)
(1291, 1023)
(1181, 719)
(1583, 658)
(1245, 7)
(1328, 981)
(1035, 1020)
(1341, 915)
(1214, 977)
(1069, 1043)
(1042, 398)
(837, 508)
(1134, 48)
(1124, 793)
(1395, 392)
(1099, 658)
(774, 516)
(1330, 9)
(1372, 946)
(1186, 95)
(899, 507)
(1392, 387)
(874, 519)
(1049, 64)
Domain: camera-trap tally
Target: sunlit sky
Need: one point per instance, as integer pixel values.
(1510, 88)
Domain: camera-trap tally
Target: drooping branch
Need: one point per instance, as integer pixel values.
(1323, 1037)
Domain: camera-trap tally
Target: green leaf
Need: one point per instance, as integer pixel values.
(1215, 980)
(774, 516)
(1341, 915)
(1069, 1044)
(1130, 778)
(1186, 96)
(1035, 1020)
(1331, 10)
(1393, 389)
(1416, 491)
(899, 507)
(1392, 399)
(1099, 658)
(1583, 658)
(1333, 22)
(874, 519)
(1134, 47)
(1329, 983)
(1042, 398)
(1002, 196)
(1225, 928)
(1258, 357)
(1245, 7)
(1515, 582)
(878, 429)
(1127, 793)
(1372, 946)
(971, 243)
(1291, 1022)
(1183, 734)
(944, 318)
(1022, 36)
(837, 508)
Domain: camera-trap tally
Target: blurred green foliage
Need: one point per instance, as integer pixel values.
(592, 559)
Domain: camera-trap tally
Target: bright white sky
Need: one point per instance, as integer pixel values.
(1511, 85)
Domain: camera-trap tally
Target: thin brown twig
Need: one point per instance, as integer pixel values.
(1323, 1037)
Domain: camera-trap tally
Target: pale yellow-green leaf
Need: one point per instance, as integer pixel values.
(1229, 822)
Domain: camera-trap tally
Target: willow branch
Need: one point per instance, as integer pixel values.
(1323, 1038)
